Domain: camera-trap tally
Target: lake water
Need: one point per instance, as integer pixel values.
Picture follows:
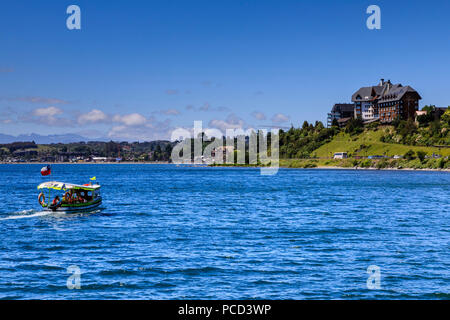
(167, 232)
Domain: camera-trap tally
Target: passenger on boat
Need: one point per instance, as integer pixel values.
(67, 198)
(55, 201)
(80, 199)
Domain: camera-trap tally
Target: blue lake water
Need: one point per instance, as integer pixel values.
(168, 232)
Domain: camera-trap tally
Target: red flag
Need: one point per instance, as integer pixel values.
(45, 171)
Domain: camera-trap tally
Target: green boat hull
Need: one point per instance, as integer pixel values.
(75, 207)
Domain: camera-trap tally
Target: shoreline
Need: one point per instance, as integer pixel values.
(375, 169)
(53, 163)
(342, 168)
(226, 166)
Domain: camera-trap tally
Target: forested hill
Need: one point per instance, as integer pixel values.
(136, 151)
(428, 134)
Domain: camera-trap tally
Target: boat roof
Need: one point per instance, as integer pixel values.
(55, 185)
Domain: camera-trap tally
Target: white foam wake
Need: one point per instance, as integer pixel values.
(23, 214)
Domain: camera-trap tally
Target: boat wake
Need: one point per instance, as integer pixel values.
(26, 214)
(34, 213)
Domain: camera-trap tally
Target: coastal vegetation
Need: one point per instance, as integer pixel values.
(416, 163)
(302, 142)
(87, 151)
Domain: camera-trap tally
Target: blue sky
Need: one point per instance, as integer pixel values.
(138, 69)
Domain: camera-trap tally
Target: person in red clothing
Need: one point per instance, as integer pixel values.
(55, 201)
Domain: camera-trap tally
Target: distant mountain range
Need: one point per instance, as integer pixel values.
(40, 139)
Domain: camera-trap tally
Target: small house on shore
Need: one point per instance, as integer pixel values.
(340, 155)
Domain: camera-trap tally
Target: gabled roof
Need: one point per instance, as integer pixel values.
(385, 92)
(367, 93)
(396, 92)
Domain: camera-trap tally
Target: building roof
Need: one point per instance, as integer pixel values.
(343, 107)
(396, 92)
(343, 120)
(367, 93)
(384, 92)
(55, 185)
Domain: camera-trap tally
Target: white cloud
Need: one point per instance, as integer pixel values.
(258, 115)
(132, 119)
(117, 130)
(280, 118)
(152, 130)
(93, 116)
(47, 116)
(130, 127)
(231, 122)
(47, 112)
(54, 116)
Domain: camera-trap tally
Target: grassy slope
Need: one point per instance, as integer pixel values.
(345, 143)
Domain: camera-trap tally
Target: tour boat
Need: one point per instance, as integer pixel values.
(69, 197)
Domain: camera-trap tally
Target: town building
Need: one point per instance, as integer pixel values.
(342, 112)
(385, 102)
(433, 113)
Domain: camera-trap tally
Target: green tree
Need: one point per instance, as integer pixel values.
(421, 155)
(424, 119)
(335, 123)
(446, 117)
(435, 128)
(354, 126)
(407, 130)
(441, 163)
(410, 155)
(429, 108)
